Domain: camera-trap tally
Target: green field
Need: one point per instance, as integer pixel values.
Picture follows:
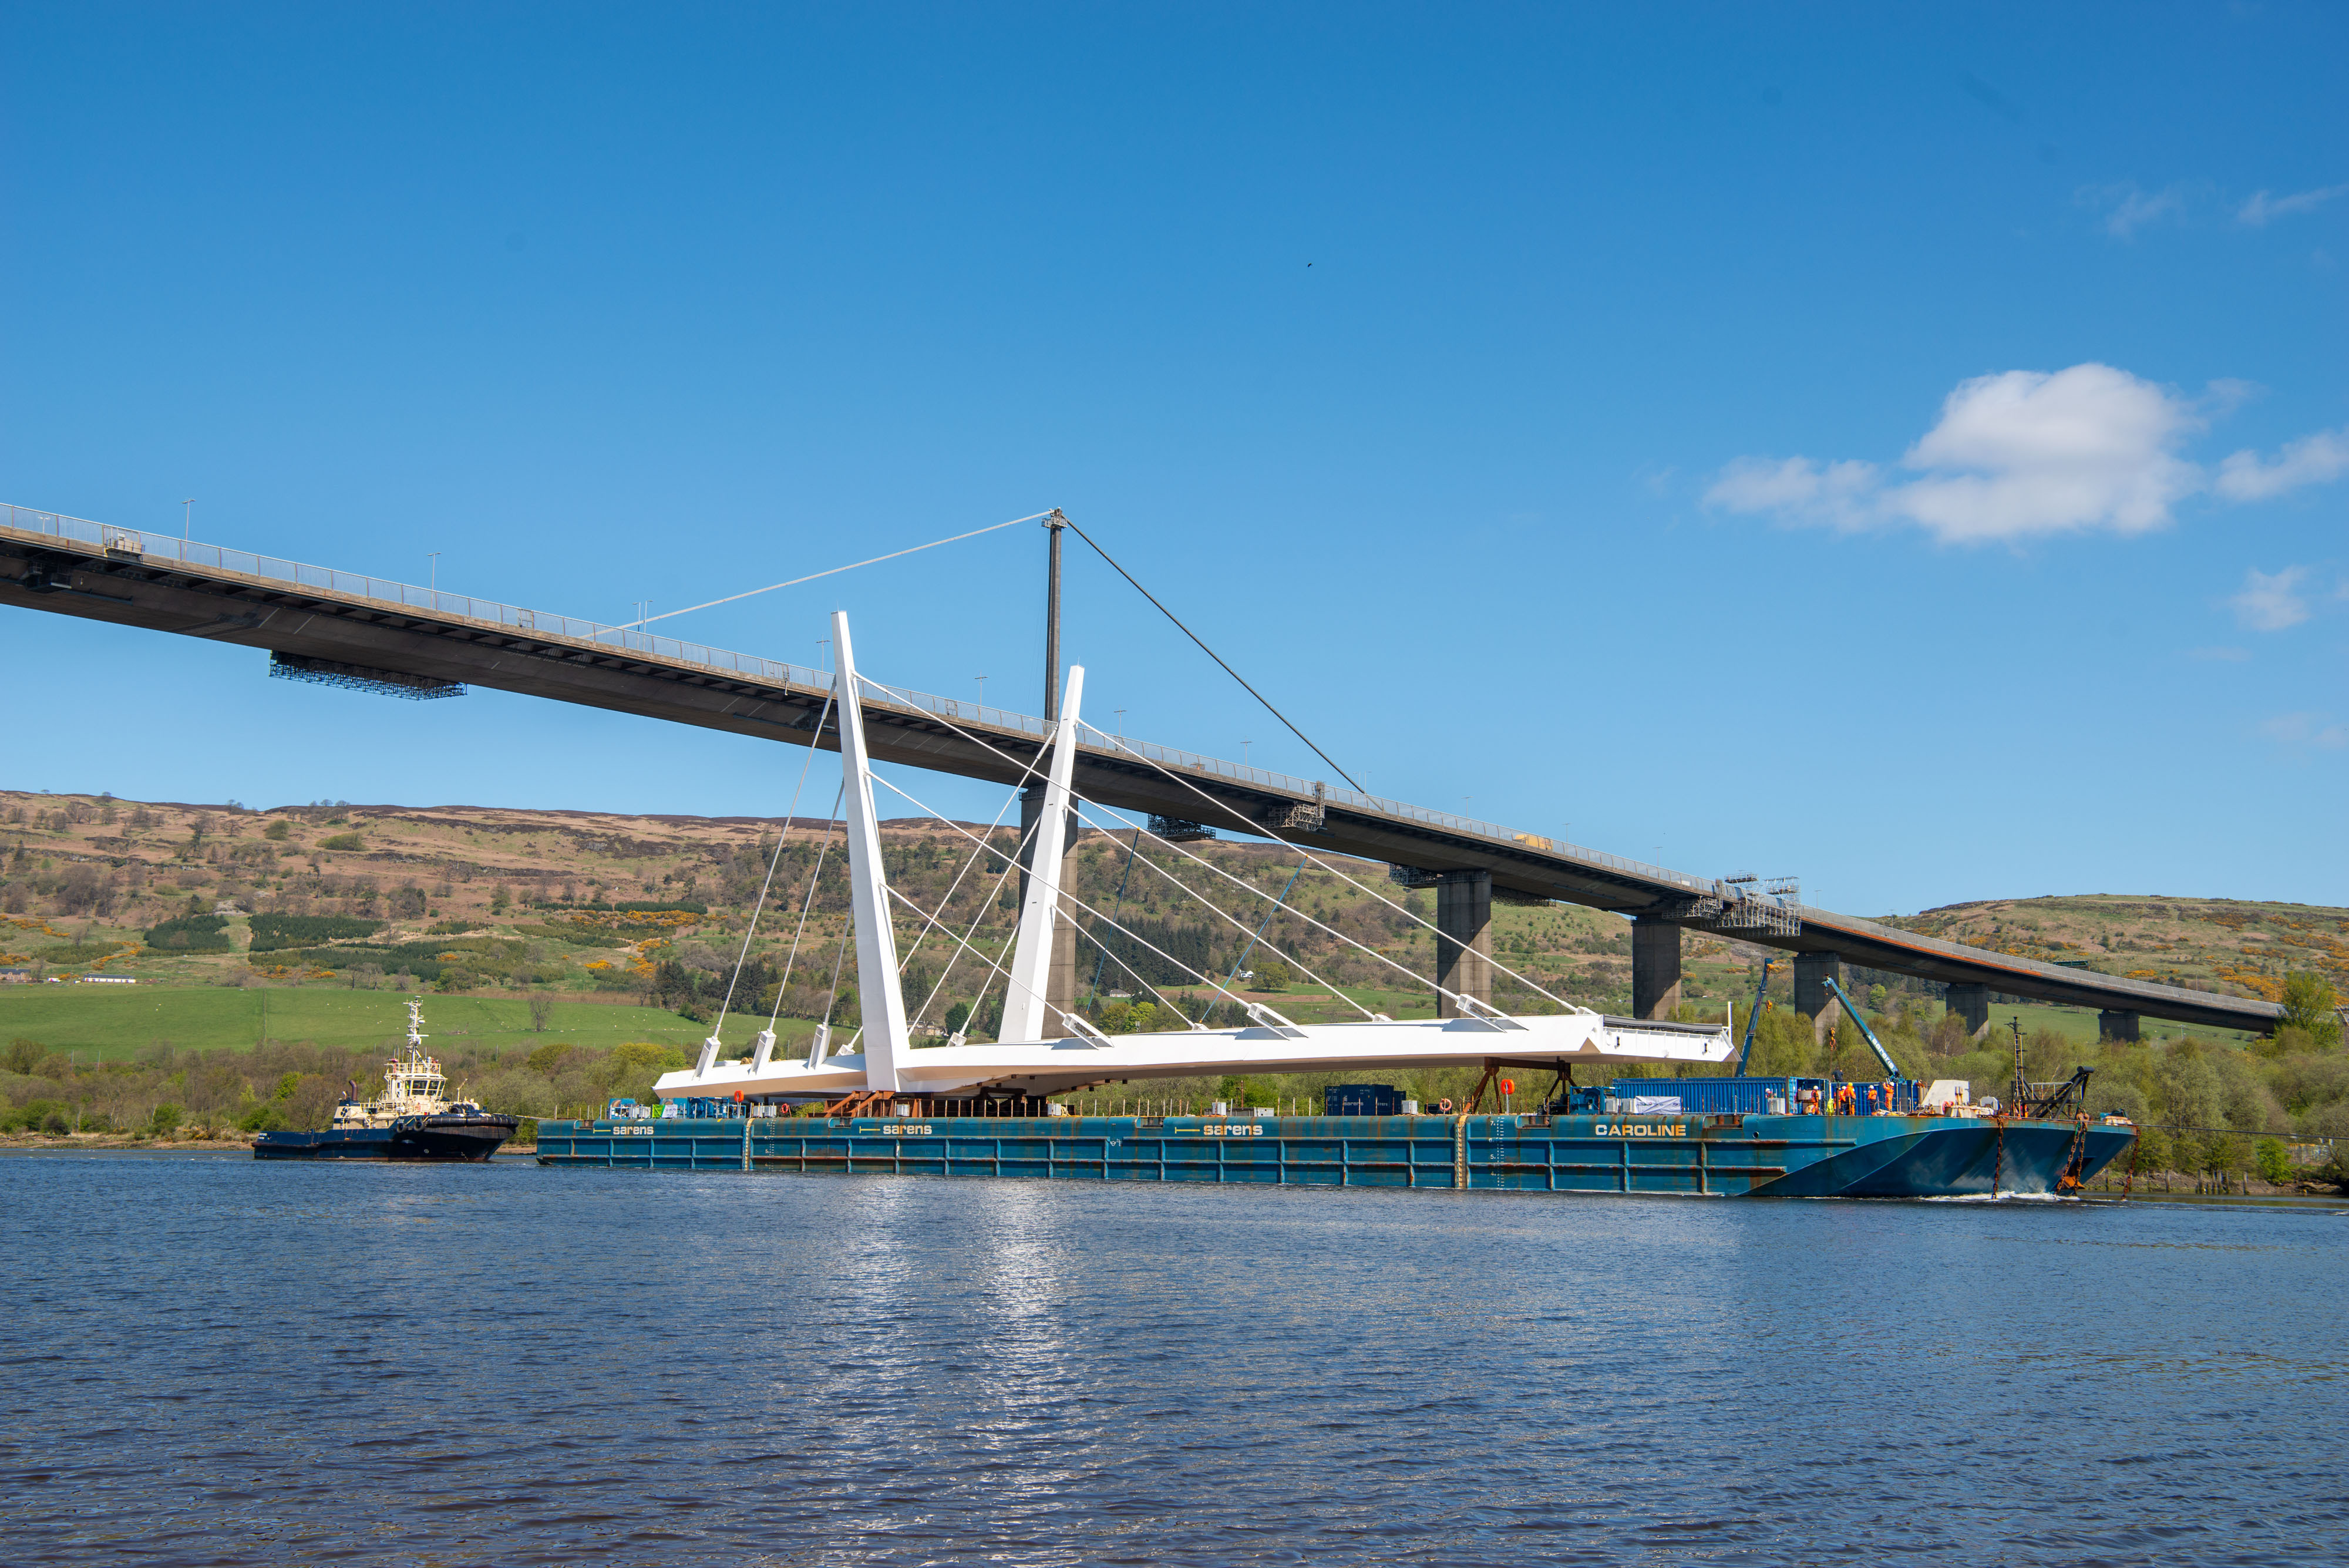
(120, 1023)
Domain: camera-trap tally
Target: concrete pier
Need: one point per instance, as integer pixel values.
(1655, 967)
(1970, 1003)
(1812, 972)
(2112, 1025)
(1463, 938)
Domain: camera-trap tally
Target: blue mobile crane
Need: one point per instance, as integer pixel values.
(1890, 1071)
(1755, 1016)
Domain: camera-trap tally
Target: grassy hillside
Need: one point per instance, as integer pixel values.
(500, 906)
(568, 957)
(2209, 944)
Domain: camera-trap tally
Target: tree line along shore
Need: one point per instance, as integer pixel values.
(569, 958)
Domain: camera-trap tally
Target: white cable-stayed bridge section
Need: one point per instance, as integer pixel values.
(1272, 1045)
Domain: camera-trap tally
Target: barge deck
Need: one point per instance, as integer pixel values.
(1798, 1156)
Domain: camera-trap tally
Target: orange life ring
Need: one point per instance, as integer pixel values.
(1444, 1105)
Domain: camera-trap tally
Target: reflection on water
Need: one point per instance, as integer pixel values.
(212, 1360)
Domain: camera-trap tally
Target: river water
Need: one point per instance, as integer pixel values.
(213, 1361)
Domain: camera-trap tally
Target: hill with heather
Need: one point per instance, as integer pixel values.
(570, 956)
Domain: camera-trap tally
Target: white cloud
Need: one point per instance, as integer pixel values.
(2129, 208)
(2262, 208)
(2015, 454)
(2306, 730)
(2310, 459)
(2270, 601)
(2026, 452)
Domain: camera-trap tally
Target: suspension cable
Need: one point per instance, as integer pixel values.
(835, 571)
(1211, 653)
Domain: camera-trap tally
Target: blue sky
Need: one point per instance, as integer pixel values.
(1902, 448)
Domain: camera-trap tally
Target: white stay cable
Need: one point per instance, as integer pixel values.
(1259, 829)
(1010, 863)
(814, 877)
(976, 855)
(1239, 924)
(1112, 921)
(951, 936)
(773, 860)
(1080, 903)
(1163, 1000)
(834, 572)
(1278, 910)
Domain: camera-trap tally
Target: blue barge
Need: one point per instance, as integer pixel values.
(1795, 1156)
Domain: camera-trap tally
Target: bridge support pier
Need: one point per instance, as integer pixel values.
(1061, 980)
(1970, 1003)
(1463, 938)
(1655, 967)
(2113, 1023)
(1812, 1000)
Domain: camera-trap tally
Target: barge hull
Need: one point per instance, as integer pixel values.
(1720, 1156)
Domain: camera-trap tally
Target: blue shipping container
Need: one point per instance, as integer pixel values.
(1362, 1100)
(1751, 1096)
(1709, 1096)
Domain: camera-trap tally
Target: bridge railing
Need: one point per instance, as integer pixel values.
(960, 711)
(196, 555)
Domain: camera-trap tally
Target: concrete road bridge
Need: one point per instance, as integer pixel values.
(326, 624)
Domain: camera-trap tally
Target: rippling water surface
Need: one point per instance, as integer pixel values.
(211, 1360)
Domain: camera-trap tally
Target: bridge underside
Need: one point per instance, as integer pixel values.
(126, 586)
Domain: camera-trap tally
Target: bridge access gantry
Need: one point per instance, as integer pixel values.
(360, 627)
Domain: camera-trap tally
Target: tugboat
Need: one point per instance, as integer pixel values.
(414, 1119)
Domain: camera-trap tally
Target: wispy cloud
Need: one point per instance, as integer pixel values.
(2306, 730)
(2310, 459)
(2091, 448)
(2271, 601)
(2127, 207)
(2263, 208)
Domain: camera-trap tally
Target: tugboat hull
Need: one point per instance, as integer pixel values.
(460, 1138)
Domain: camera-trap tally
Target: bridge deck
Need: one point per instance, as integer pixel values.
(72, 567)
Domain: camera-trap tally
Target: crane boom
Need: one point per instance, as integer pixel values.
(1874, 1044)
(1755, 1016)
